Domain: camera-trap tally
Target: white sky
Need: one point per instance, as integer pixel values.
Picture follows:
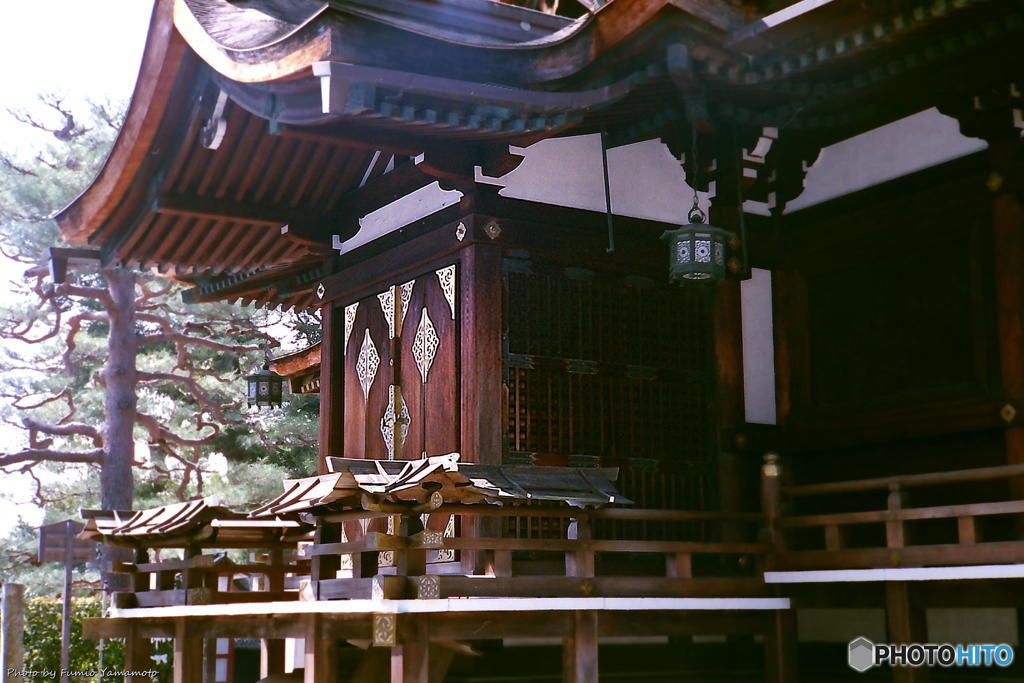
(76, 47)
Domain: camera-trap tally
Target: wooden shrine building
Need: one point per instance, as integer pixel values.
(531, 441)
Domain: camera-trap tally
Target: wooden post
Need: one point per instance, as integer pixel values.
(137, 654)
(332, 385)
(325, 567)
(410, 561)
(894, 526)
(12, 652)
(481, 362)
(579, 562)
(272, 649)
(65, 618)
(771, 494)
(579, 652)
(137, 650)
(727, 321)
(188, 654)
(1008, 245)
(410, 661)
(481, 366)
(906, 624)
(321, 665)
(780, 643)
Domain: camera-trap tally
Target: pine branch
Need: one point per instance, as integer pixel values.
(38, 455)
(161, 435)
(35, 427)
(214, 407)
(21, 170)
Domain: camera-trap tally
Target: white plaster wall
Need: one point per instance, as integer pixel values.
(647, 182)
(910, 144)
(758, 348)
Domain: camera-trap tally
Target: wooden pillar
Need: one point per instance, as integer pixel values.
(481, 354)
(728, 335)
(410, 661)
(272, 649)
(780, 643)
(906, 624)
(321, 661)
(325, 567)
(482, 388)
(137, 650)
(1008, 245)
(13, 652)
(137, 654)
(579, 652)
(332, 385)
(410, 561)
(188, 654)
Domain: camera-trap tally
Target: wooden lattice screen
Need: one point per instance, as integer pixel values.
(612, 370)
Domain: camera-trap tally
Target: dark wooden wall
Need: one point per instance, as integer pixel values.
(551, 350)
(885, 329)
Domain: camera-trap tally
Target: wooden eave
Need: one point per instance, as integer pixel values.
(301, 368)
(322, 114)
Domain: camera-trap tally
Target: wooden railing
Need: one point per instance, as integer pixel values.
(196, 579)
(579, 562)
(960, 543)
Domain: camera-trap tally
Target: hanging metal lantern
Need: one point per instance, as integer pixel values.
(266, 388)
(697, 251)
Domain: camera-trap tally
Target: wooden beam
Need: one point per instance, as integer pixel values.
(579, 654)
(62, 257)
(304, 226)
(658, 623)
(911, 556)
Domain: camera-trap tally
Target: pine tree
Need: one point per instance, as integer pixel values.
(124, 397)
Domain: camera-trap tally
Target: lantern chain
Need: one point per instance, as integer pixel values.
(696, 214)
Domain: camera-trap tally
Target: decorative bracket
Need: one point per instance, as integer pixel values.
(216, 124)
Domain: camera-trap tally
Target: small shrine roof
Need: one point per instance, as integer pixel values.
(203, 522)
(438, 480)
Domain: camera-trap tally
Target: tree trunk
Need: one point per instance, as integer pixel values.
(117, 482)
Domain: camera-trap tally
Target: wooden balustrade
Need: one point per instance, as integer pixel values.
(575, 564)
(965, 545)
(195, 579)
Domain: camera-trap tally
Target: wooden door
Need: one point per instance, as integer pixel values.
(401, 349)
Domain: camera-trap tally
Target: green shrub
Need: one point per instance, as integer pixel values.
(42, 640)
(42, 636)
